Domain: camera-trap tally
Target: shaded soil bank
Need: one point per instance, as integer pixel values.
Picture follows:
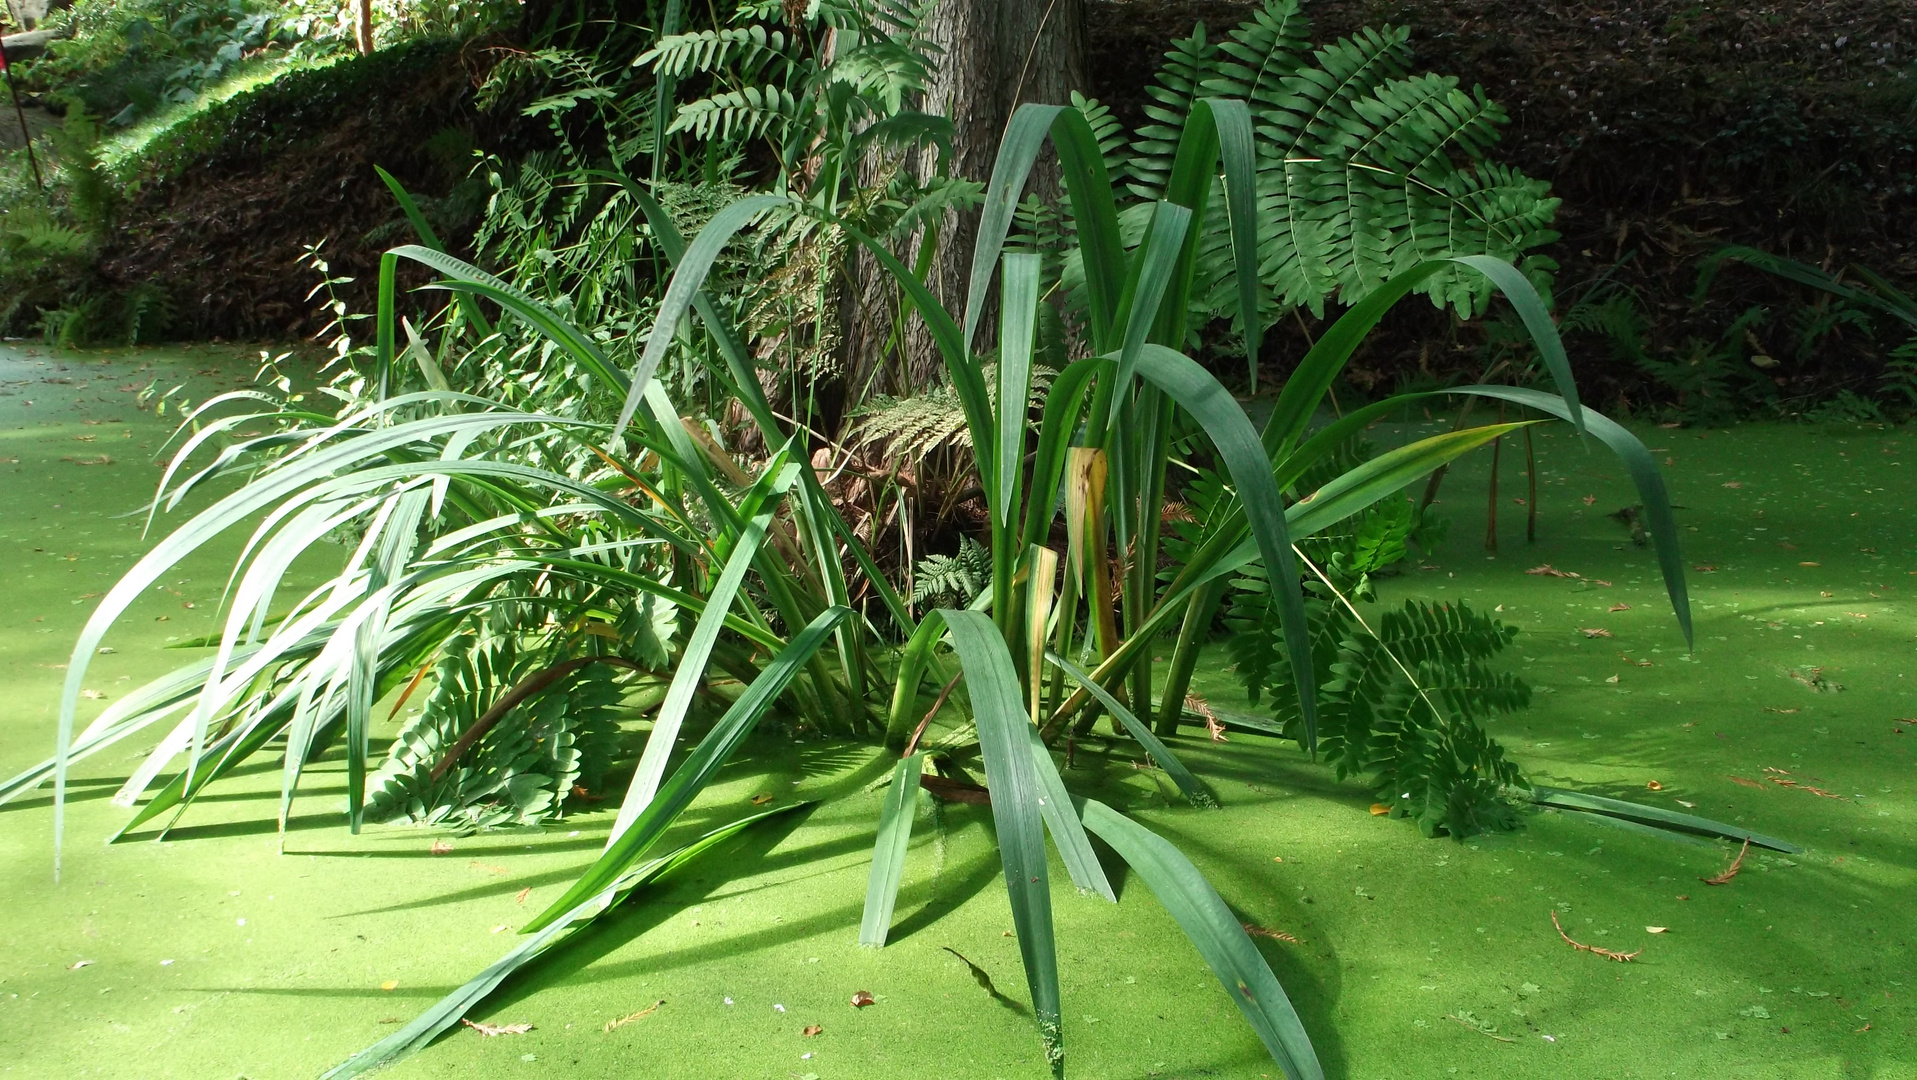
(221, 220)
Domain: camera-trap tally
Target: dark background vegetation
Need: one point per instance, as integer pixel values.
(1668, 128)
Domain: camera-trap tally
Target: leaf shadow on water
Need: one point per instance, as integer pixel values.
(78, 791)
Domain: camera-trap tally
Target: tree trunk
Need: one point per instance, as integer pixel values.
(999, 54)
(363, 25)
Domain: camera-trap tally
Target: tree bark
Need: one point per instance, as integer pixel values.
(999, 54)
(363, 25)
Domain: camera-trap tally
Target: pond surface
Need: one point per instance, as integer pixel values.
(214, 954)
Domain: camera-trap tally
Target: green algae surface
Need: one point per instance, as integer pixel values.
(214, 954)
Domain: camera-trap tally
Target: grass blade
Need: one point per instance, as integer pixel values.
(1193, 789)
(692, 776)
(1217, 933)
(449, 1010)
(1011, 773)
(1068, 833)
(1560, 799)
(1637, 460)
(888, 852)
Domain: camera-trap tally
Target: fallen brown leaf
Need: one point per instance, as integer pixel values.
(1620, 607)
(78, 964)
(1785, 712)
(441, 847)
(1380, 809)
(640, 1015)
(811, 1030)
(1730, 872)
(1276, 935)
(1810, 564)
(1734, 484)
(863, 998)
(1594, 631)
(761, 799)
(489, 1030)
(1747, 783)
(1547, 570)
(1655, 786)
(389, 985)
(1590, 500)
(85, 438)
(523, 894)
(103, 459)
(1782, 782)
(1608, 954)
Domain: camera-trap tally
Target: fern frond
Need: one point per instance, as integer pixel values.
(744, 50)
(1260, 54)
(912, 427)
(740, 114)
(1179, 82)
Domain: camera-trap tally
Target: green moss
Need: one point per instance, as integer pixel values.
(1397, 935)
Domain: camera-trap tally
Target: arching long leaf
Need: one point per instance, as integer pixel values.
(1660, 521)
(697, 771)
(1192, 788)
(888, 851)
(698, 650)
(1011, 774)
(449, 1010)
(1237, 442)
(1217, 933)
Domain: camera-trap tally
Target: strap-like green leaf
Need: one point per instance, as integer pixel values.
(1011, 774)
(465, 277)
(688, 278)
(1193, 789)
(1560, 799)
(1018, 324)
(430, 238)
(1660, 521)
(690, 673)
(691, 777)
(1216, 932)
(1387, 473)
(1068, 833)
(448, 1011)
(1017, 150)
(1237, 443)
(888, 852)
(1307, 386)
